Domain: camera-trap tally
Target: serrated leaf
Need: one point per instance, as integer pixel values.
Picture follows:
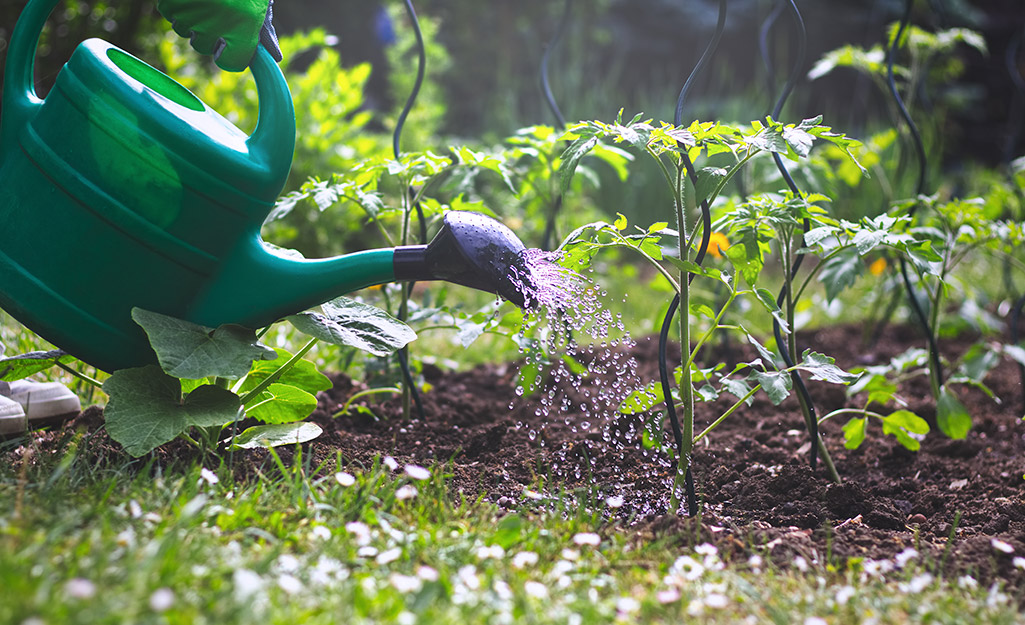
(767, 355)
(769, 303)
(709, 179)
(746, 257)
(769, 139)
(146, 409)
(822, 367)
(190, 351)
(737, 388)
(776, 384)
(840, 272)
(277, 435)
(951, 415)
(799, 140)
(24, 365)
(350, 323)
(854, 432)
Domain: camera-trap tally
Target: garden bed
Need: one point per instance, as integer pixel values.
(760, 495)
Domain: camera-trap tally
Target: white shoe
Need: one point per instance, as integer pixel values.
(12, 417)
(43, 400)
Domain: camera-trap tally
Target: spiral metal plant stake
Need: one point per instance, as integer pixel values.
(763, 44)
(560, 119)
(684, 436)
(803, 396)
(916, 306)
(403, 353)
(1011, 60)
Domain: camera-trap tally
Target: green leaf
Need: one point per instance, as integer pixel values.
(692, 267)
(281, 403)
(191, 351)
(903, 423)
(303, 374)
(643, 399)
(703, 310)
(951, 415)
(1015, 353)
(769, 139)
(211, 406)
(776, 384)
(571, 158)
(840, 272)
(854, 432)
(509, 531)
(769, 303)
(620, 223)
(708, 181)
(767, 355)
(907, 420)
(822, 367)
(146, 409)
(276, 435)
(24, 365)
(737, 388)
(979, 361)
(746, 257)
(799, 140)
(350, 323)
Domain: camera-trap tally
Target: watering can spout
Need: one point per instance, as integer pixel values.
(259, 285)
(472, 250)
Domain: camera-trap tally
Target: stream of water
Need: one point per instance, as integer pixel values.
(584, 351)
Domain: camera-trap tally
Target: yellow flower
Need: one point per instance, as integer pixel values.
(717, 244)
(877, 267)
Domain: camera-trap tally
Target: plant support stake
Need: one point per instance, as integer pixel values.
(786, 347)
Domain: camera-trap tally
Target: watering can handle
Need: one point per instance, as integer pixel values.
(20, 99)
(273, 139)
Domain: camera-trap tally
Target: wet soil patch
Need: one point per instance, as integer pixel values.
(959, 503)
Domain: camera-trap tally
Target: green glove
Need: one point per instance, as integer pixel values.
(230, 30)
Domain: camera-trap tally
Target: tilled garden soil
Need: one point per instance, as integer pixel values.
(959, 503)
(753, 473)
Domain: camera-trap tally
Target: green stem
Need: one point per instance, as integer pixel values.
(80, 375)
(686, 387)
(792, 346)
(371, 391)
(857, 411)
(726, 414)
(273, 377)
(709, 332)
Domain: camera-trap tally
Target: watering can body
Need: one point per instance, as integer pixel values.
(121, 189)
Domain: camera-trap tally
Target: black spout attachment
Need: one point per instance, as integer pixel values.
(470, 249)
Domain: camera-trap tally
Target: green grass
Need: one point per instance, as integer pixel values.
(82, 542)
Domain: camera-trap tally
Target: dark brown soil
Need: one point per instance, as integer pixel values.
(753, 474)
(950, 501)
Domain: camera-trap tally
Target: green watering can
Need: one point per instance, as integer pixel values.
(121, 189)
